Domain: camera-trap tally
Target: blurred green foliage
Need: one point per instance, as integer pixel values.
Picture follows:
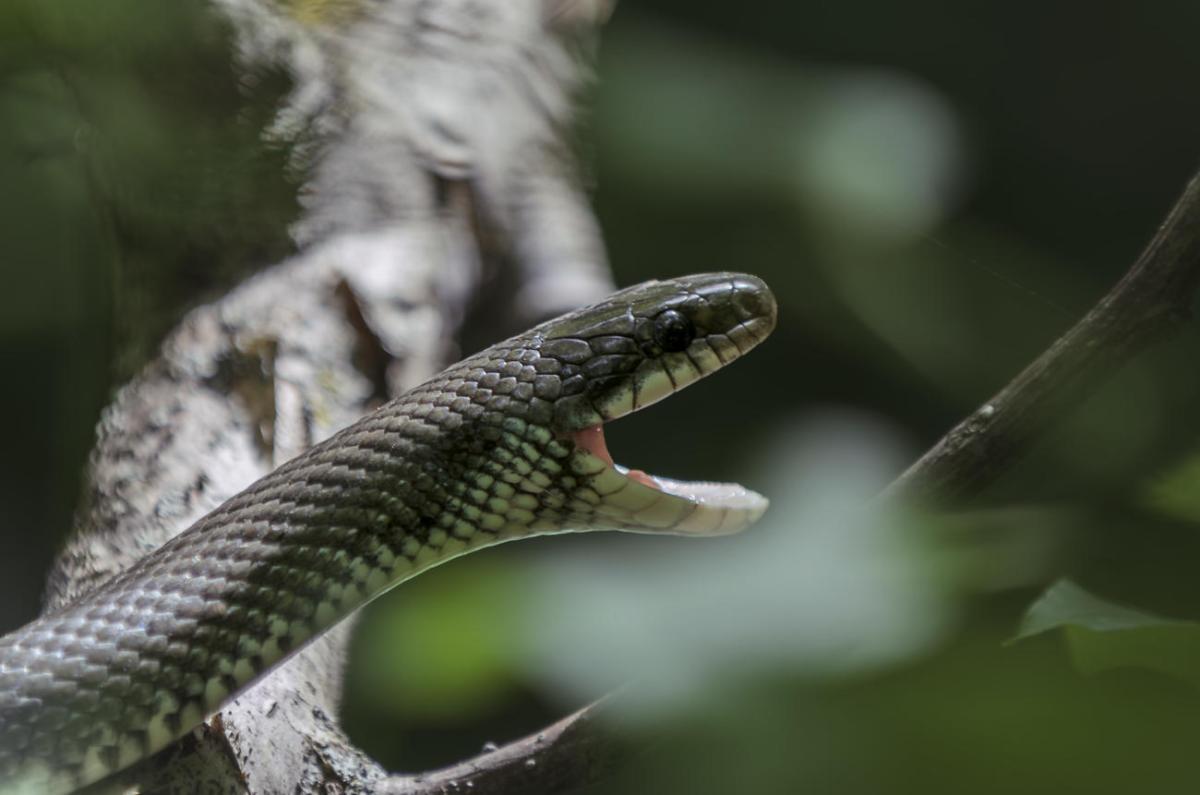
(934, 190)
(135, 184)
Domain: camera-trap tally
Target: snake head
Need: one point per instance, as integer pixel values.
(634, 349)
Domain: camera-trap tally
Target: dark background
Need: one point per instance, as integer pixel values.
(934, 190)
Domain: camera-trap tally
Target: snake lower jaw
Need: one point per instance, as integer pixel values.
(717, 508)
(649, 504)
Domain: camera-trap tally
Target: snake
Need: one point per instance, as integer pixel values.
(506, 444)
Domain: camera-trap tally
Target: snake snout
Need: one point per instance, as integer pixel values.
(755, 303)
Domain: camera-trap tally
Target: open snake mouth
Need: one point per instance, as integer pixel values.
(634, 500)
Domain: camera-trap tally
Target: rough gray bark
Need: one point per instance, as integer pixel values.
(433, 133)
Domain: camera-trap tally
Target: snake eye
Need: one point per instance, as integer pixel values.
(673, 331)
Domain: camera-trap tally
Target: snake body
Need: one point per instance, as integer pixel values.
(488, 450)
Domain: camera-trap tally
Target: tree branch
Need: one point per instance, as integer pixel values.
(410, 210)
(1149, 304)
(575, 751)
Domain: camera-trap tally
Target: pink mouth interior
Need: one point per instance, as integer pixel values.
(592, 440)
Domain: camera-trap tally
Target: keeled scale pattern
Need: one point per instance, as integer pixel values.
(475, 456)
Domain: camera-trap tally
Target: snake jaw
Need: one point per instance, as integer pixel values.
(729, 314)
(651, 504)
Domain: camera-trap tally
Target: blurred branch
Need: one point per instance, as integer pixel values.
(1149, 304)
(571, 753)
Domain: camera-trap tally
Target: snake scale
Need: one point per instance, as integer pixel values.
(502, 445)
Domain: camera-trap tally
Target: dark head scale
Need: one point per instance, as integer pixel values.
(651, 339)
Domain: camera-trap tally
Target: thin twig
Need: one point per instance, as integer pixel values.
(1149, 304)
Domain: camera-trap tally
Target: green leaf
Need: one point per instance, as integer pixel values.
(1103, 636)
